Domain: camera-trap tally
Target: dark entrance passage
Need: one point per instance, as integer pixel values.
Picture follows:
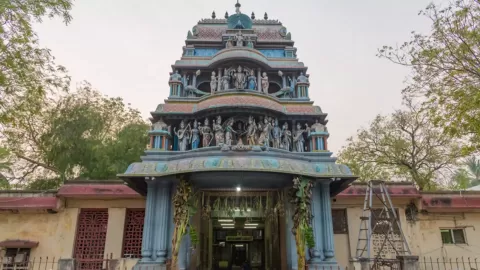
(241, 230)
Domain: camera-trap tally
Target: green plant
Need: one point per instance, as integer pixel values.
(300, 197)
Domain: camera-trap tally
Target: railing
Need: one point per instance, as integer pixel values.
(462, 263)
(57, 263)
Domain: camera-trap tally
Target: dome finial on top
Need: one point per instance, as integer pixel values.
(237, 7)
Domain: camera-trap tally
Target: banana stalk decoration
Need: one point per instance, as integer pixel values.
(185, 206)
(300, 197)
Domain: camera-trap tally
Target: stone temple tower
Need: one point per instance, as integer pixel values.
(236, 134)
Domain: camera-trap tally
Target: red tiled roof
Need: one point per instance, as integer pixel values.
(393, 190)
(439, 202)
(97, 191)
(17, 243)
(28, 202)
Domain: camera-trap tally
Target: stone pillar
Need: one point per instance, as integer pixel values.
(219, 80)
(148, 229)
(317, 224)
(194, 81)
(328, 241)
(163, 203)
(259, 80)
(408, 262)
(284, 81)
(171, 225)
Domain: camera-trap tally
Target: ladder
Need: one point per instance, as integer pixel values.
(387, 216)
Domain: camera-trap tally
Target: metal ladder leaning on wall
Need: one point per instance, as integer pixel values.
(387, 216)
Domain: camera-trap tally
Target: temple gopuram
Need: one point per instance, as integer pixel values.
(236, 135)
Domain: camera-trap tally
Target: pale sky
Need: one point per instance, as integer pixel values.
(126, 48)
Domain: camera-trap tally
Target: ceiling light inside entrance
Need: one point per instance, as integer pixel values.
(250, 227)
(239, 189)
(225, 220)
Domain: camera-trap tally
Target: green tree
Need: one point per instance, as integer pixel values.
(83, 134)
(28, 72)
(446, 68)
(402, 146)
(469, 176)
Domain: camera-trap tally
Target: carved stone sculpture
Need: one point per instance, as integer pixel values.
(160, 125)
(265, 83)
(298, 140)
(239, 38)
(239, 78)
(302, 78)
(207, 135)
(225, 80)
(317, 127)
(276, 134)
(286, 137)
(195, 139)
(183, 135)
(251, 131)
(252, 81)
(219, 131)
(213, 82)
(175, 76)
(229, 132)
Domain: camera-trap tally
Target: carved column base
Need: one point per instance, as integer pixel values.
(323, 265)
(150, 266)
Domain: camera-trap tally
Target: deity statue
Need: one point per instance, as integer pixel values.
(219, 131)
(213, 82)
(317, 127)
(225, 80)
(252, 81)
(258, 133)
(249, 43)
(206, 134)
(229, 132)
(251, 131)
(298, 140)
(265, 83)
(183, 135)
(229, 43)
(265, 135)
(286, 137)
(302, 78)
(276, 134)
(195, 139)
(239, 39)
(175, 76)
(293, 82)
(239, 78)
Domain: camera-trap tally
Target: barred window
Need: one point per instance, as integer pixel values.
(133, 232)
(339, 218)
(380, 222)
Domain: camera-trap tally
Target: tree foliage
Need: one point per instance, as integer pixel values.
(28, 72)
(405, 146)
(446, 68)
(469, 175)
(83, 134)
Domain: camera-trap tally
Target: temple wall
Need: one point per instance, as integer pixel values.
(56, 232)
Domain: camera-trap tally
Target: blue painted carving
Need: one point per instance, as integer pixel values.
(205, 52)
(130, 168)
(212, 162)
(161, 167)
(239, 19)
(321, 167)
(273, 53)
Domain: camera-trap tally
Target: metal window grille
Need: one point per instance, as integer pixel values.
(133, 232)
(380, 222)
(90, 238)
(453, 236)
(339, 218)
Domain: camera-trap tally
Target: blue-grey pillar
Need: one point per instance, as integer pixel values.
(328, 241)
(317, 224)
(148, 229)
(162, 219)
(291, 246)
(170, 222)
(184, 254)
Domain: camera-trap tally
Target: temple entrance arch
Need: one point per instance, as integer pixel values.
(238, 227)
